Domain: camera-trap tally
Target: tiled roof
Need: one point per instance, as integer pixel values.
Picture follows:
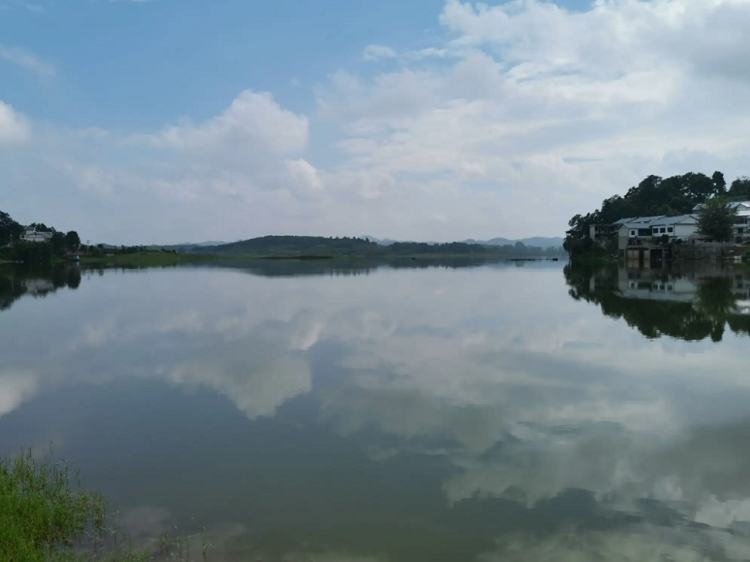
(667, 221)
(659, 220)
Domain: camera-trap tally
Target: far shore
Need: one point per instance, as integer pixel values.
(152, 258)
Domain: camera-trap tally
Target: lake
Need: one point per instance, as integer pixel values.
(362, 412)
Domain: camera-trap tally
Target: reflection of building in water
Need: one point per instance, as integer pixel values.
(741, 292)
(657, 286)
(38, 286)
(19, 282)
(632, 284)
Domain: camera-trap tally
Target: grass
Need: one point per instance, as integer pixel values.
(45, 516)
(145, 259)
(40, 514)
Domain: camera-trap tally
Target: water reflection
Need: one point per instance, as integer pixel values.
(18, 282)
(441, 413)
(692, 304)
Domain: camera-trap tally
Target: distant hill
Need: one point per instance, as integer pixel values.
(538, 242)
(199, 244)
(316, 246)
(379, 241)
(292, 246)
(185, 246)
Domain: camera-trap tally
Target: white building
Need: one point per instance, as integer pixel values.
(742, 225)
(32, 235)
(633, 231)
(676, 228)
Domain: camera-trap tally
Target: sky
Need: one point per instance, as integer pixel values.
(166, 121)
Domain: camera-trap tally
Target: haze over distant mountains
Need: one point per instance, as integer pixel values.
(539, 242)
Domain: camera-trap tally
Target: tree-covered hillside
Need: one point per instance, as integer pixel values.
(676, 195)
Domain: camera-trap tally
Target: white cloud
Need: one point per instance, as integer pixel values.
(254, 121)
(14, 127)
(380, 52)
(376, 52)
(10, 4)
(523, 104)
(258, 383)
(305, 173)
(562, 106)
(15, 387)
(27, 61)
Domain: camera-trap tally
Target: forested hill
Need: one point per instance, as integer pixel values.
(676, 195)
(296, 246)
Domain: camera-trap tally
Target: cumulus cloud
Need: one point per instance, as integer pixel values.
(547, 103)
(240, 169)
(521, 102)
(14, 127)
(254, 121)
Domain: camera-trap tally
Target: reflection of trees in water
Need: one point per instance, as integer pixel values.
(348, 267)
(16, 282)
(713, 308)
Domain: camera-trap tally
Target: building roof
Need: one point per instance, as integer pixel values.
(34, 232)
(641, 221)
(734, 204)
(668, 221)
(659, 220)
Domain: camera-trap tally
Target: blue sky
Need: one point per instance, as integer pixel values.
(131, 64)
(427, 119)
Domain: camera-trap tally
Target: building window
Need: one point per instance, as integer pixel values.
(633, 232)
(670, 229)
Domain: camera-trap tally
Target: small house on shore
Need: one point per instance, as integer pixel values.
(634, 231)
(33, 235)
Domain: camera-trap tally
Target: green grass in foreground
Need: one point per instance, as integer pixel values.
(43, 518)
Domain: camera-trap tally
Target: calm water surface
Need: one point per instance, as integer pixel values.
(349, 412)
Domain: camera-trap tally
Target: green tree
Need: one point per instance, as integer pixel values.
(715, 298)
(32, 253)
(740, 188)
(58, 243)
(72, 240)
(720, 184)
(41, 227)
(10, 230)
(716, 219)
